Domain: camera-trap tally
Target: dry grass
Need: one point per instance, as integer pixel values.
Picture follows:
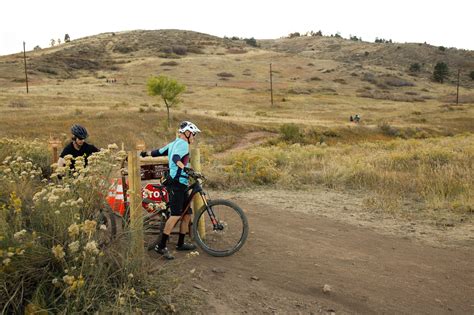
(437, 173)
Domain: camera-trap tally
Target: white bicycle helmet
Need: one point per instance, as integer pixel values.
(188, 126)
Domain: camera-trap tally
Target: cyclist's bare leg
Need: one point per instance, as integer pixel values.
(170, 223)
(184, 227)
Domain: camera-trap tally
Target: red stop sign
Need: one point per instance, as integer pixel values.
(154, 193)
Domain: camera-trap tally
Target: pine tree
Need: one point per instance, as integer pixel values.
(440, 72)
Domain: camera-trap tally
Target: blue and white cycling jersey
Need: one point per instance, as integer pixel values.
(178, 150)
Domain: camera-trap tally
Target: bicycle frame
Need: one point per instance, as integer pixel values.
(196, 188)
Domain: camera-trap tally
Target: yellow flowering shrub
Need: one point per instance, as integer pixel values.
(50, 248)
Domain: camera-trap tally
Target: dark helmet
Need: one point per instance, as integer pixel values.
(79, 131)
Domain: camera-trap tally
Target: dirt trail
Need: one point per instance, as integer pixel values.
(249, 140)
(294, 249)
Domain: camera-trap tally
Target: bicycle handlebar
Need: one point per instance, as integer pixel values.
(195, 175)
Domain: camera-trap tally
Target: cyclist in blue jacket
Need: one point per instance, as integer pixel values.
(178, 160)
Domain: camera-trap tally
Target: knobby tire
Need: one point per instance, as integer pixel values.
(231, 238)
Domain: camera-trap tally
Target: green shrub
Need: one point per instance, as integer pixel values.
(383, 40)
(251, 41)
(415, 67)
(369, 77)
(180, 50)
(291, 133)
(169, 63)
(340, 81)
(236, 51)
(331, 134)
(47, 70)
(389, 130)
(251, 168)
(124, 49)
(318, 33)
(166, 50)
(440, 72)
(225, 75)
(397, 82)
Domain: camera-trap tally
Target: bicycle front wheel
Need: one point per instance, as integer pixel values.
(227, 234)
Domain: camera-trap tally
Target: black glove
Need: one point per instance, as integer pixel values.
(188, 170)
(143, 153)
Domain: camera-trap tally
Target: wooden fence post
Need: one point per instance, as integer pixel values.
(136, 215)
(54, 146)
(197, 202)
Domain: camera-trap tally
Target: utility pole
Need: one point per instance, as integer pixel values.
(271, 84)
(26, 72)
(457, 89)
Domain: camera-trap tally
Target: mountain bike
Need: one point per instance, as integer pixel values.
(220, 227)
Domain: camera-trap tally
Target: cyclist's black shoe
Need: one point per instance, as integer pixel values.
(186, 246)
(164, 252)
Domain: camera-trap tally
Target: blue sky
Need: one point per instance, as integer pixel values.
(440, 23)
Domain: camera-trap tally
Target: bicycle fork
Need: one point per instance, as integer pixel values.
(216, 225)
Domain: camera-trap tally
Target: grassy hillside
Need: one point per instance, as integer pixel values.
(318, 82)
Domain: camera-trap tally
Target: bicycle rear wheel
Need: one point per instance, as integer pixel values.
(230, 233)
(153, 226)
(106, 226)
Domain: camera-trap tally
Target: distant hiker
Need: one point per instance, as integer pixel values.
(357, 118)
(351, 118)
(178, 160)
(78, 146)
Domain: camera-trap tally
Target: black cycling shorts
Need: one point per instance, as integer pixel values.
(178, 195)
